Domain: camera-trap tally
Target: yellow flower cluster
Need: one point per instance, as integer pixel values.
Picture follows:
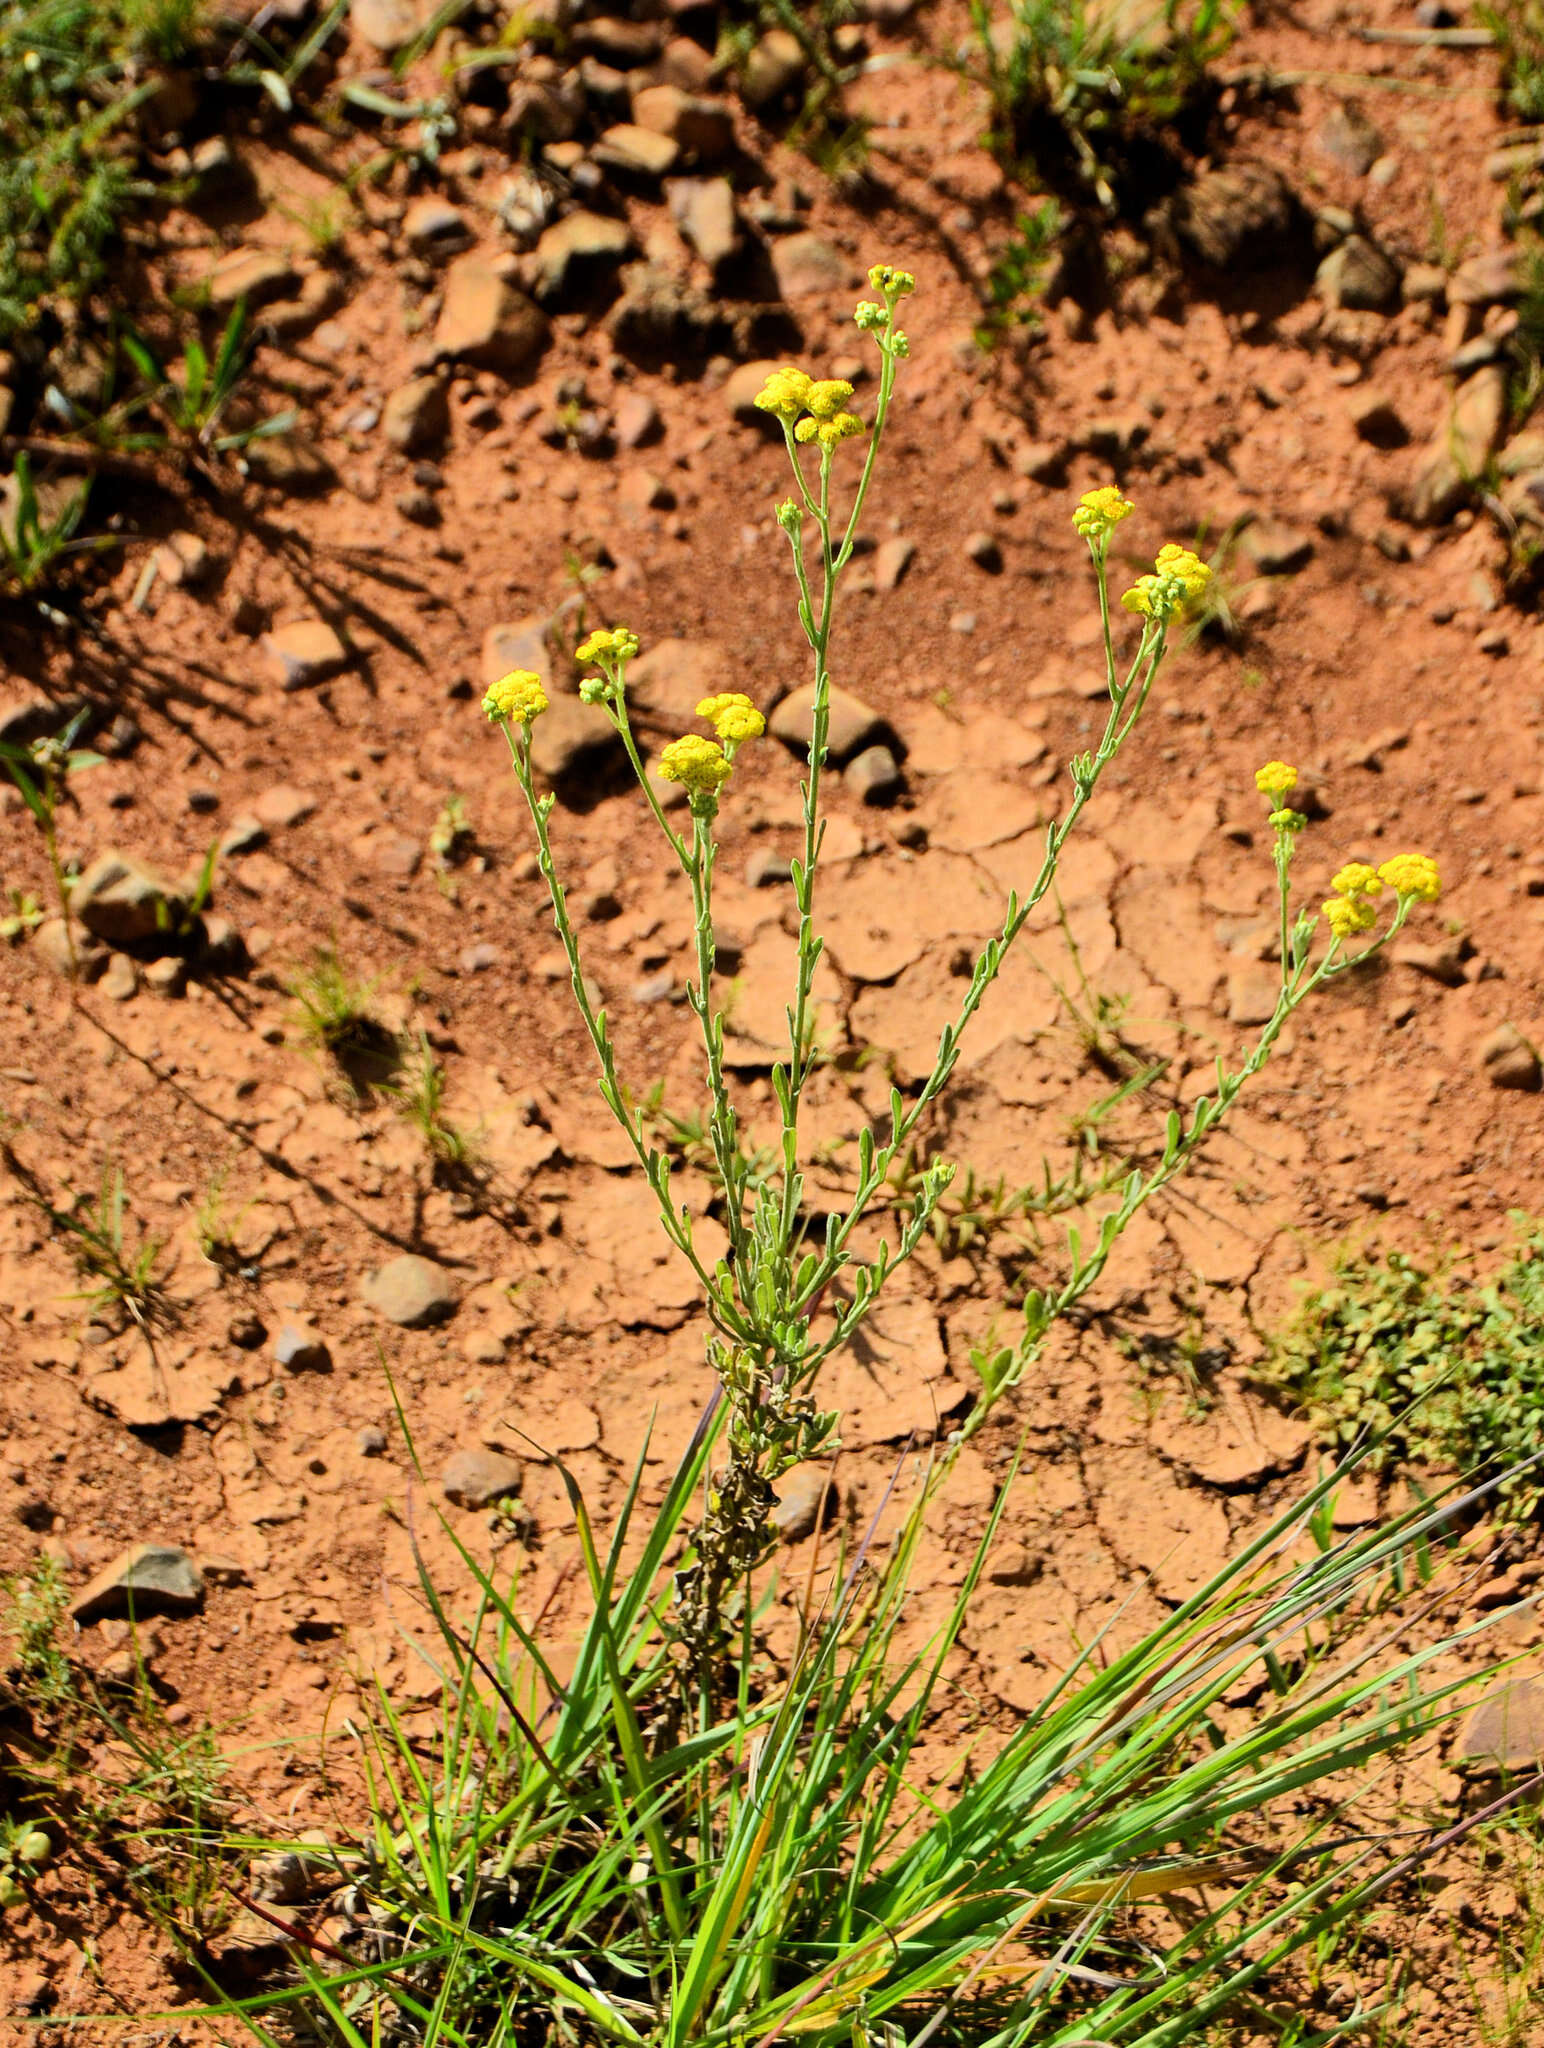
(1098, 513)
(1179, 575)
(1275, 779)
(790, 392)
(895, 284)
(1412, 874)
(735, 718)
(1357, 879)
(613, 644)
(828, 421)
(1349, 914)
(698, 764)
(517, 698)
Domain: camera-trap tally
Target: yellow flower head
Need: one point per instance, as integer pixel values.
(735, 718)
(826, 397)
(614, 643)
(895, 284)
(785, 392)
(1349, 914)
(1413, 874)
(1098, 513)
(840, 426)
(1287, 821)
(1185, 565)
(697, 764)
(517, 698)
(1275, 779)
(1178, 576)
(1357, 879)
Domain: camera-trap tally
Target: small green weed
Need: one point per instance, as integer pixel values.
(420, 1098)
(1080, 91)
(1518, 29)
(334, 1015)
(185, 410)
(71, 83)
(117, 1274)
(1526, 383)
(1014, 281)
(1447, 1372)
(36, 538)
(33, 1610)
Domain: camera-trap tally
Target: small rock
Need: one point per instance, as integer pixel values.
(575, 249)
(1043, 462)
(641, 490)
(807, 265)
(1506, 1731)
(486, 322)
(280, 1879)
(1246, 217)
(1442, 960)
(1253, 992)
(299, 1348)
(290, 463)
(702, 128)
(120, 983)
(704, 210)
(852, 725)
(410, 1291)
(119, 900)
(152, 1578)
(766, 868)
(636, 152)
(985, 550)
(1350, 139)
(244, 835)
(637, 421)
(1509, 1060)
(1483, 280)
(807, 1502)
(774, 66)
(740, 390)
(476, 1479)
(1359, 277)
(256, 275)
(1014, 1565)
(892, 558)
(51, 942)
(167, 976)
(435, 230)
(386, 25)
(416, 417)
(518, 643)
(305, 652)
(567, 734)
(371, 1442)
(282, 806)
(1275, 548)
(874, 775)
(1458, 452)
(183, 558)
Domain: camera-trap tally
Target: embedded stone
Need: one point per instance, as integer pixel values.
(478, 1478)
(1509, 1060)
(579, 244)
(704, 210)
(486, 322)
(150, 1579)
(299, 1348)
(305, 652)
(1359, 277)
(434, 229)
(411, 1291)
(774, 66)
(416, 417)
(121, 901)
(1506, 1731)
(637, 151)
(852, 726)
(256, 275)
(806, 265)
(807, 1502)
(704, 128)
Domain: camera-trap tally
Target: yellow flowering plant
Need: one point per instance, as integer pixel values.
(718, 1849)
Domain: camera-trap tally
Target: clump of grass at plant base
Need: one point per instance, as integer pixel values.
(101, 1777)
(1082, 92)
(690, 1838)
(1441, 1370)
